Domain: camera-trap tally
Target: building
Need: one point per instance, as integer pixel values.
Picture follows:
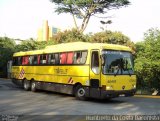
(46, 32)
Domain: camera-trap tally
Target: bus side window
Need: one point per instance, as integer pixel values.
(63, 58)
(95, 62)
(84, 57)
(19, 61)
(25, 60)
(31, 60)
(80, 57)
(70, 57)
(77, 58)
(51, 59)
(43, 59)
(57, 59)
(15, 61)
(38, 59)
(35, 60)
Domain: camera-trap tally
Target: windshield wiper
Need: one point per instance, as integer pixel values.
(128, 72)
(117, 72)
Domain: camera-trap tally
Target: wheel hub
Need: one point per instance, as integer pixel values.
(81, 92)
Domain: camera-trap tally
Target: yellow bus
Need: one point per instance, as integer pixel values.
(95, 70)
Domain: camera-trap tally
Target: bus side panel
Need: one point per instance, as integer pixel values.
(15, 75)
(54, 78)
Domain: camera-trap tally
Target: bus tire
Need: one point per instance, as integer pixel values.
(33, 86)
(80, 92)
(26, 85)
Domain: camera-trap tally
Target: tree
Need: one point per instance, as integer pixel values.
(6, 50)
(100, 37)
(70, 36)
(112, 38)
(26, 45)
(147, 64)
(31, 44)
(84, 9)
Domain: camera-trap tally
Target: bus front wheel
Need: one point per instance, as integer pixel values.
(26, 85)
(80, 92)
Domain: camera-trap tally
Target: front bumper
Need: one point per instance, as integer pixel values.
(113, 93)
(105, 94)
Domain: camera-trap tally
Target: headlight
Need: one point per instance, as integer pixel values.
(134, 86)
(109, 88)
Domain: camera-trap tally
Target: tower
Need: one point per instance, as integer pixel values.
(45, 31)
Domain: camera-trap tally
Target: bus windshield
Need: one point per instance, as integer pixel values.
(117, 62)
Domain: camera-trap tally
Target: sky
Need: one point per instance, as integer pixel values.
(20, 19)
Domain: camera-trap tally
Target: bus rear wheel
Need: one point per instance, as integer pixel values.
(80, 92)
(33, 86)
(26, 85)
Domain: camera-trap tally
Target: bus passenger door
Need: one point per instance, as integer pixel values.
(95, 74)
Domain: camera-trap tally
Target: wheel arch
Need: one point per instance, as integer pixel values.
(23, 80)
(74, 87)
(32, 79)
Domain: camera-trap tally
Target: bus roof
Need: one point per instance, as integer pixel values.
(74, 46)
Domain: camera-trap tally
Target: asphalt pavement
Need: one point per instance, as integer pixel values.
(27, 105)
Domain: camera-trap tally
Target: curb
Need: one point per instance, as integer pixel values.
(147, 96)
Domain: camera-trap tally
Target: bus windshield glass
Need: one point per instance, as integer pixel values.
(117, 62)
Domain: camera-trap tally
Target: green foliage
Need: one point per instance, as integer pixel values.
(6, 50)
(84, 9)
(27, 45)
(95, 6)
(101, 37)
(147, 64)
(112, 38)
(70, 36)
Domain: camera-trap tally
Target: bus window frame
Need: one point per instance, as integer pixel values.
(56, 58)
(95, 69)
(75, 59)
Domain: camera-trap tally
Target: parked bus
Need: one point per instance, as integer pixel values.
(83, 69)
